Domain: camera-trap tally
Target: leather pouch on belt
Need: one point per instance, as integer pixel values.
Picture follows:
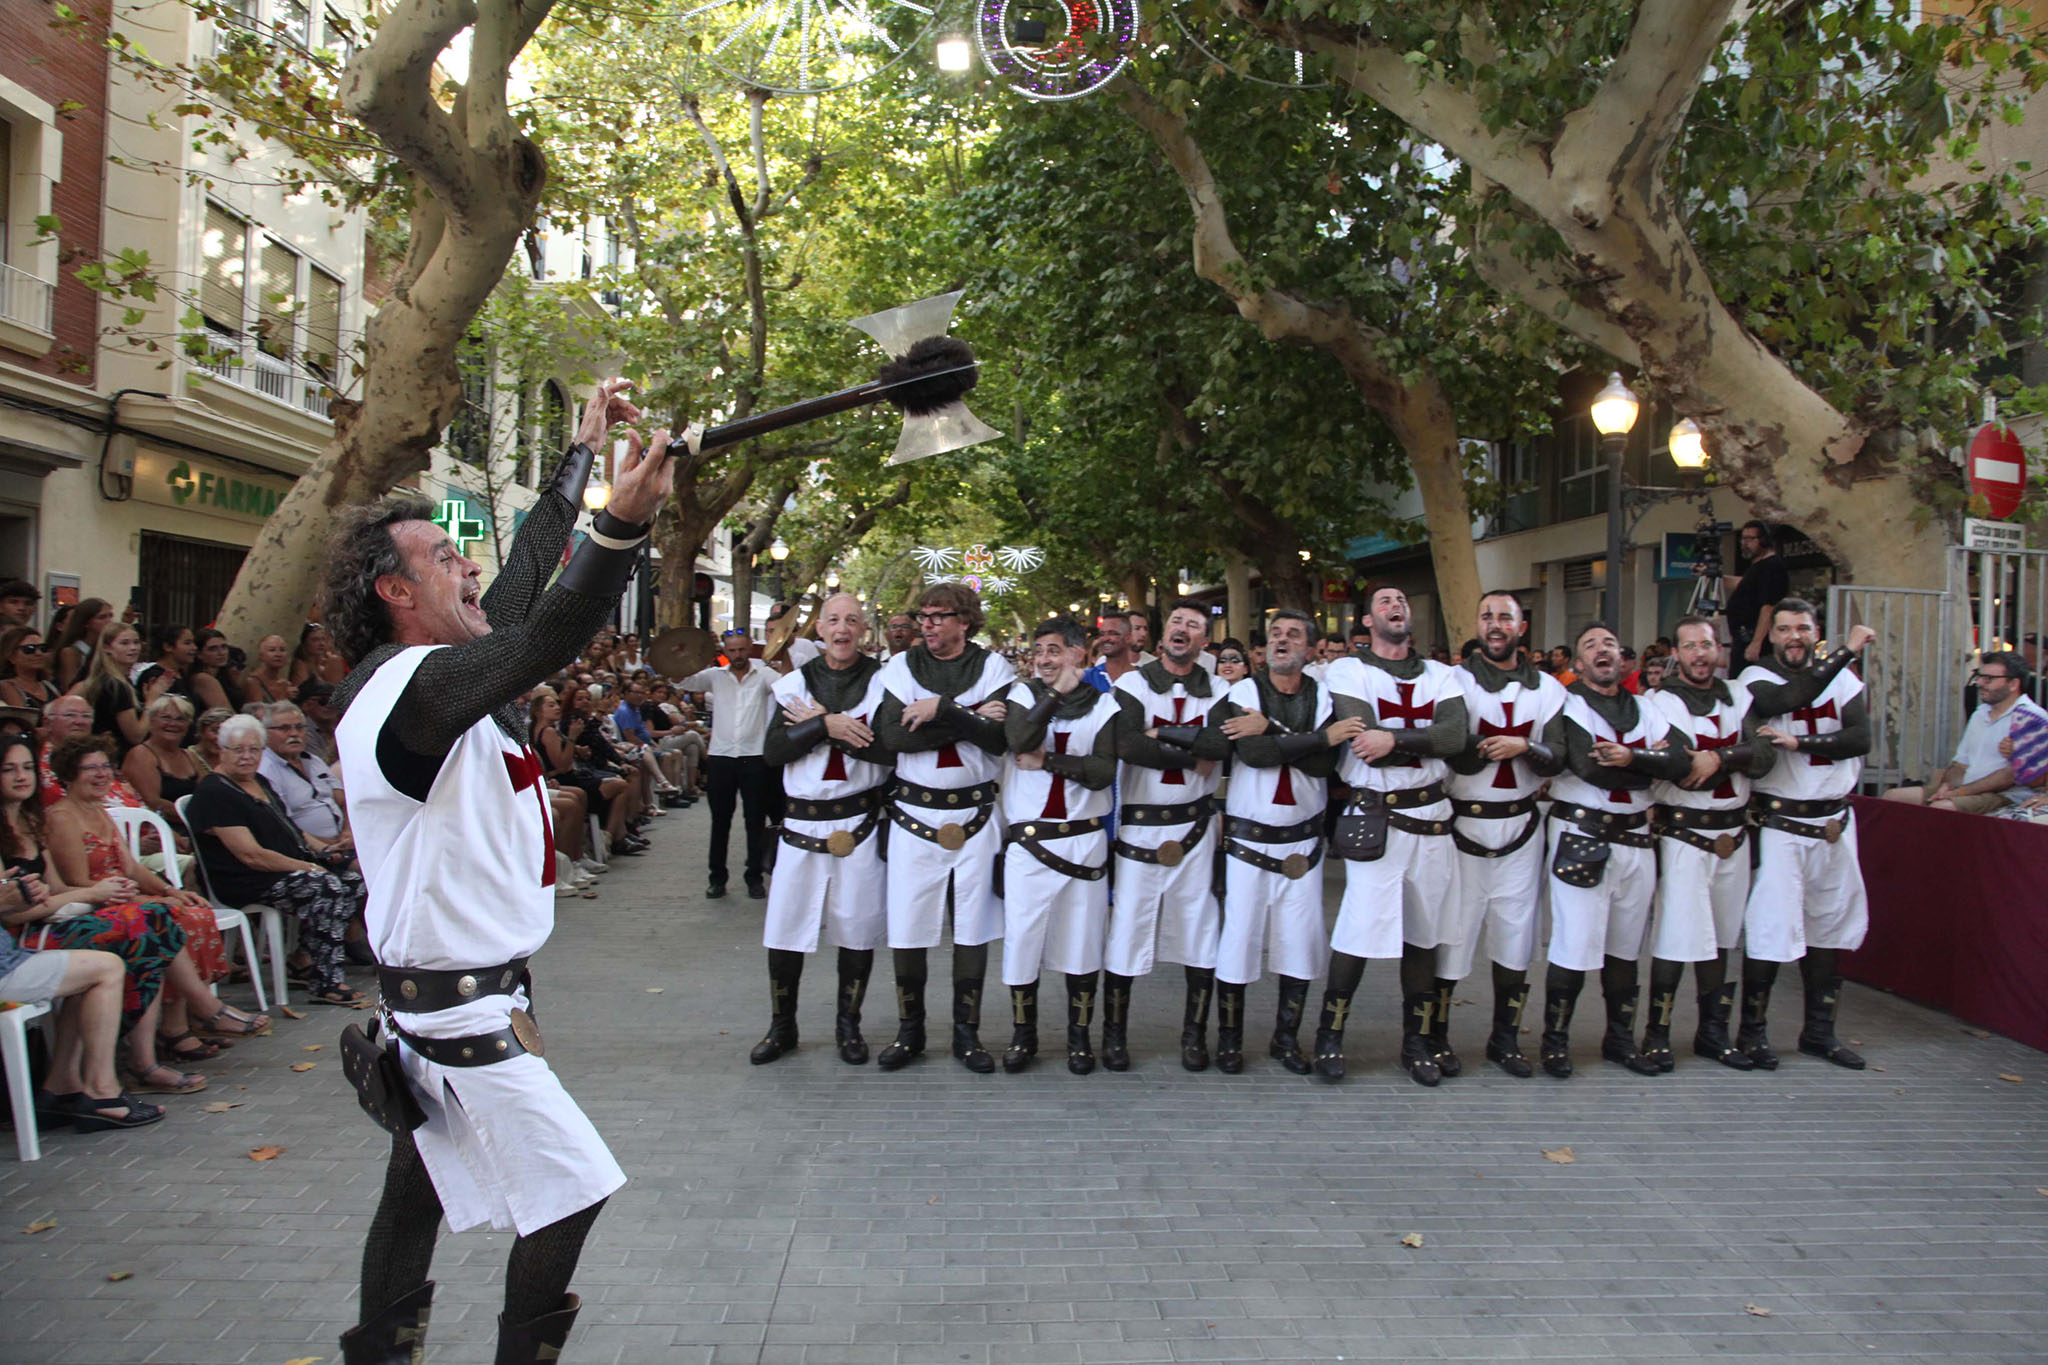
(1360, 835)
(374, 1070)
(1581, 860)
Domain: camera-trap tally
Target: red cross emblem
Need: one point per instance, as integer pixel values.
(1716, 740)
(524, 769)
(1056, 799)
(835, 764)
(977, 559)
(1617, 797)
(1176, 777)
(1503, 771)
(1813, 715)
(1410, 715)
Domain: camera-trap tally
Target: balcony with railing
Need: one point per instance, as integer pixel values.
(249, 367)
(27, 301)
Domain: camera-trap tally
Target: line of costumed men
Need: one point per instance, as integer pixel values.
(942, 793)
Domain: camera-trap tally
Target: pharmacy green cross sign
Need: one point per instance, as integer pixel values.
(465, 531)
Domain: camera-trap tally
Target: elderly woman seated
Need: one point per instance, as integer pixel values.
(253, 852)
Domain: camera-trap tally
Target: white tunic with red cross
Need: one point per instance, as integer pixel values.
(1159, 911)
(1051, 920)
(1700, 895)
(1408, 895)
(1804, 777)
(465, 879)
(816, 891)
(1515, 710)
(1570, 788)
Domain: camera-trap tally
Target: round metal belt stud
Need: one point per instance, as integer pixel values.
(465, 985)
(1833, 832)
(840, 843)
(409, 988)
(527, 1032)
(505, 981)
(1295, 866)
(952, 838)
(1031, 831)
(952, 798)
(1724, 845)
(1478, 809)
(469, 1052)
(1171, 852)
(502, 1047)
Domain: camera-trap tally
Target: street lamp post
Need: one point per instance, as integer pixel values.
(1614, 414)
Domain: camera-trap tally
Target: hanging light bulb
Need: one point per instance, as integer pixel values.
(955, 54)
(1615, 407)
(779, 551)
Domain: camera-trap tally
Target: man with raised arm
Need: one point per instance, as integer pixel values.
(835, 777)
(942, 716)
(1165, 904)
(450, 812)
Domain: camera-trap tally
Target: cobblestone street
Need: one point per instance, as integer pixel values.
(818, 1213)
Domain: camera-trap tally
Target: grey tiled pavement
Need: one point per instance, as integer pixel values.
(818, 1213)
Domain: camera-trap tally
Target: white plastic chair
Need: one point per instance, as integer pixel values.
(20, 1091)
(273, 920)
(132, 821)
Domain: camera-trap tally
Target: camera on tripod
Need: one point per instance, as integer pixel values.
(1706, 563)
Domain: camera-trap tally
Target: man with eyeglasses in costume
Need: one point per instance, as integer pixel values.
(1056, 790)
(450, 810)
(1806, 900)
(1497, 826)
(1165, 904)
(1403, 901)
(1279, 724)
(942, 716)
(830, 875)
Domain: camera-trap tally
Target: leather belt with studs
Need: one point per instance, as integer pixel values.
(421, 990)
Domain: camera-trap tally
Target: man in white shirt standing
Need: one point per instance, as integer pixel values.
(734, 771)
(1977, 781)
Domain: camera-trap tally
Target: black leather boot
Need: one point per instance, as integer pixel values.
(1711, 1038)
(1116, 1022)
(1664, 979)
(785, 970)
(1023, 1048)
(909, 1044)
(1823, 997)
(1229, 1028)
(1080, 1012)
(1753, 1038)
(1440, 1031)
(967, 1027)
(1329, 1059)
(1194, 1019)
(540, 1340)
(1285, 1048)
(854, 968)
(1619, 1043)
(1416, 1058)
(1504, 1042)
(396, 1336)
(1560, 998)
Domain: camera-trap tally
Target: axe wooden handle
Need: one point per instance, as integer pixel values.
(761, 423)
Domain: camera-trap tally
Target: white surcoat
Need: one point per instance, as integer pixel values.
(813, 890)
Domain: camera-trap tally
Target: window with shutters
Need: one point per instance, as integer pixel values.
(273, 317)
(277, 279)
(469, 431)
(323, 325)
(223, 271)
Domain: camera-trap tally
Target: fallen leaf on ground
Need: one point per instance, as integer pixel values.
(312, 1047)
(116, 1276)
(2043, 1193)
(2008, 1076)
(1561, 1155)
(43, 1225)
(1413, 1239)
(304, 1066)
(265, 1153)
(288, 1012)
(220, 1106)
(1755, 1311)
(1855, 1042)
(1978, 1032)
(305, 1360)
(1877, 1068)
(933, 1200)
(656, 990)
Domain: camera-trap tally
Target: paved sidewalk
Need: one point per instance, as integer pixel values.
(830, 1215)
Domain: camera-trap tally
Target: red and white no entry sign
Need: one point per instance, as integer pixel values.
(1998, 468)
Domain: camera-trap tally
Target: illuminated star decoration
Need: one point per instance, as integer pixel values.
(1065, 57)
(1021, 558)
(996, 583)
(935, 558)
(464, 530)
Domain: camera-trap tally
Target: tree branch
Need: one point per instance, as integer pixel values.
(389, 85)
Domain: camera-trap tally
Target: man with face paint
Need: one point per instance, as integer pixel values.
(1286, 741)
(1165, 905)
(1404, 902)
(835, 777)
(1062, 735)
(1510, 703)
(943, 719)
(1806, 901)
(1603, 859)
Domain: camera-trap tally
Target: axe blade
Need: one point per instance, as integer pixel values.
(934, 433)
(898, 329)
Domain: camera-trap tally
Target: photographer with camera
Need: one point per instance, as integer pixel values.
(1763, 584)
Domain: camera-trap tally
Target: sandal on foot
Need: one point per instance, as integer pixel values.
(231, 1023)
(89, 1115)
(153, 1081)
(339, 995)
(54, 1110)
(200, 1051)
